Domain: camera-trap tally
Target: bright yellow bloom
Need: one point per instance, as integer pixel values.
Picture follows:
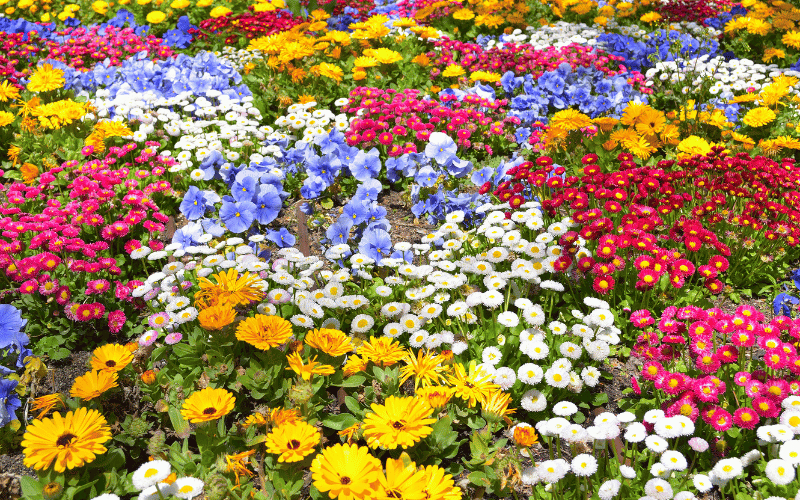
(346, 472)
(440, 484)
(463, 14)
(7, 91)
(365, 62)
(46, 78)
(6, 118)
(229, 289)
(219, 11)
(792, 39)
(471, 386)
(292, 441)
(435, 396)
(329, 71)
(306, 371)
(400, 421)
(93, 384)
(570, 119)
(111, 358)
(485, 76)
(453, 70)
(403, 480)
(331, 342)
(384, 55)
(772, 52)
(207, 404)
(66, 442)
(650, 17)
(216, 317)
(156, 17)
(758, 117)
(264, 332)
(382, 351)
(694, 145)
(426, 368)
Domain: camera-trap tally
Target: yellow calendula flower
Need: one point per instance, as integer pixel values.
(292, 441)
(207, 404)
(308, 370)
(570, 119)
(111, 358)
(400, 421)
(329, 71)
(46, 78)
(65, 442)
(219, 11)
(6, 118)
(771, 53)
(485, 76)
(650, 17)
(156, 17)
(365, 62)
(346, 471)
(100, 7)
(453, 70)
(791, 39)
(264, 332)
(93, 384)
(463, 14)
(758, 117)
(384, 55)
(694, 145)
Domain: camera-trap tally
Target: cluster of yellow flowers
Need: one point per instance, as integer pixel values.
(763, 19)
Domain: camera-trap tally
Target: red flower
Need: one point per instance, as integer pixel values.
(603, 284)
(746, 418)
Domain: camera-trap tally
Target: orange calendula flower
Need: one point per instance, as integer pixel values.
(45, 404)
(65, 442)
(264, 332)
(382, 351)
(93, 384)
(111, 358)
(346, 472)
(207, 404)
(229, 289)
(292, 441)
(217, 317)
(330, 341)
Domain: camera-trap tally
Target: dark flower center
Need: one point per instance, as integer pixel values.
(345, 480)
(65, 439)
(111, 363)
(398, 425)
(209, 411)
(293, 444)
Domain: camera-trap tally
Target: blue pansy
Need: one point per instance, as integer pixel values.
(193, 205)
(237, 216)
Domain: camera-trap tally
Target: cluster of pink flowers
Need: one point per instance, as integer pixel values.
(82, 47)
(521, 58)
(402, 121)
(61, 236)
(712, 340)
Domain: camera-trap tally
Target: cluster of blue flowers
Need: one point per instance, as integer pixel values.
(257, 196)
(662, 44)
(13, 351)
(587, 89)
(723, 18)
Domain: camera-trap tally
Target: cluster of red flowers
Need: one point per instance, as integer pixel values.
(520, 58)
(699, 206)
(16, 53)
(249, 24)
(403, 122)
(716, 339)
(53, 243)
(691, 10)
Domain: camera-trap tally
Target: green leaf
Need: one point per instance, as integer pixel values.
(354, 381)
(600, 399)
(579, 418)
(326, 203)
(31, 488)
(352, 405)
(180, 424)
(479, 479)
(339, 422)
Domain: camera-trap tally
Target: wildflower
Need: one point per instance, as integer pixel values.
(292, 441)
(264, 332)
(66, 442)
(111, 358)
(151, 473)
(93, 384)
(207, 404)
(46, 78)
(346, 471)
(400, 421)
(306, 371)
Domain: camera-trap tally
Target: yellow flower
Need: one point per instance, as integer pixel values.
(346, 472)
(463, 14)
(758, 117)
(111, 358)
(216, 317)
(400, 421)
(66, 442)
(208, 404)
(219, 11)
(329, 71)
(694, 145)
(471, 385)
(264, 332)
(758, 27)
(384, 55)
(46, 78)
(292, 441)
(365, 62)
(453, 70)
(771, 52)
(650, 17)
(180, 4)
(156, 17)
(100, 7)
(230, 289)
(485, 76)
(382, 351)
(792, 39)
(426, 368)
(570, 119)
(45, 404)
(6, 118)
(331, 342)
(435, 396)
(93, 384)
(306, 371)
